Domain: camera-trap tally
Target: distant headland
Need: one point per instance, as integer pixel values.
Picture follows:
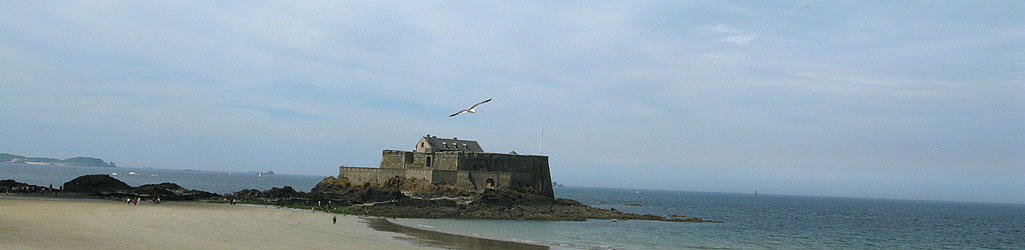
(74, 161)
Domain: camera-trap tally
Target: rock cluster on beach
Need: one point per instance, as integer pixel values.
(96, 183)
(413, 198)
(398, 197)
(11, 186)
(104, 186)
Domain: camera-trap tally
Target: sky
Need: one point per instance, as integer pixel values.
(880, 99)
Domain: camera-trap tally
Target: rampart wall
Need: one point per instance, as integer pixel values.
(358, 176)
(470, 170)
(396, 159)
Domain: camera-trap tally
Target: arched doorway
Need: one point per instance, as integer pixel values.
(489, 184)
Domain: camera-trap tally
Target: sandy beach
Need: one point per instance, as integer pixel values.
(43, 223)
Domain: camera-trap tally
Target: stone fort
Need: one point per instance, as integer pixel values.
(462, 163)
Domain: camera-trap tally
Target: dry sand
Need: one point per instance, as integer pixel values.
(35, 223)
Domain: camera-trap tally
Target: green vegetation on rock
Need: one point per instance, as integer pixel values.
(84, 161)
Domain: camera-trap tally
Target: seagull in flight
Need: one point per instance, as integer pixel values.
(472, 109)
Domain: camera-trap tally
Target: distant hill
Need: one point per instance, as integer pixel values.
(74, 161)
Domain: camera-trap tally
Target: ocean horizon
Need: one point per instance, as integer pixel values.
(750, 221)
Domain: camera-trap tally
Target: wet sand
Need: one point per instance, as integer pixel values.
(432, 238)
(46, 223)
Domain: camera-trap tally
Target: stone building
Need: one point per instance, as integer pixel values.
(462, 163)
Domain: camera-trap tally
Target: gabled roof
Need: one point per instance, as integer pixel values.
(445, 144)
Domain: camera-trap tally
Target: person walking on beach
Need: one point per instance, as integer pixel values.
(334, 220)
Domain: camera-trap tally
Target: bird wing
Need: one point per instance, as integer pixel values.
(457, 113)
(475, 105)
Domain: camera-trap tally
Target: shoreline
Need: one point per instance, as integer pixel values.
(43, 221)
(447, 240)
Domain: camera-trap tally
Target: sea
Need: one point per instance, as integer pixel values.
(762, 221)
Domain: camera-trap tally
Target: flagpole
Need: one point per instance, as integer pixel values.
(542, 149)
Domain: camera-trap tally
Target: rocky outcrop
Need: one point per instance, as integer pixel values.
(284, 192)
(398, 197)
(171, 192)
(95, 183)
(367, 194)
(414, 198)
(332, 185)
(11, 186)
(329, 191)
(505, 204)
(100, 185)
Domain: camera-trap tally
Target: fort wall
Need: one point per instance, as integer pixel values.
(396, 159)
(470, 170)
(423, 174)
(444, 176)
(358, 176)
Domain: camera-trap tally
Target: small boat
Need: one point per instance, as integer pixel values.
(114, 174)
(637, 192)
(132, 173)
(153, 175)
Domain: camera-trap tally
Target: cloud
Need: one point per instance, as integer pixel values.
(739, 39)
(278, 113)
(732, 35)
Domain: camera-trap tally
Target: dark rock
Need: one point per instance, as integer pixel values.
(108, 187)
(332, 185)
(389, 199)
(166, 191)
(504, 204)
(96, 183)
(284, 192)
(634, 205)
(18, 187)
(370, 194)
(171, 192)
